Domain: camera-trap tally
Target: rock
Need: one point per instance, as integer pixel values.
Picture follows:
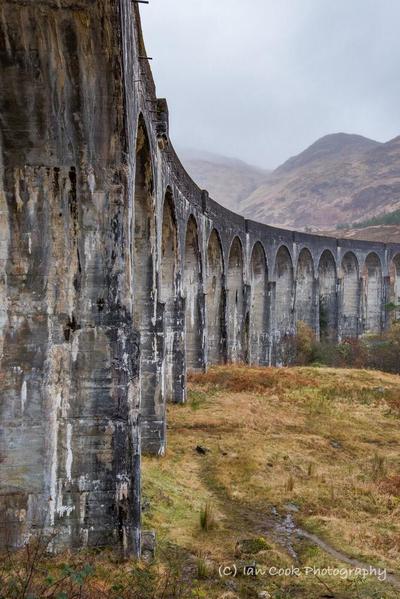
(381, 390)
(336, 444)
(202, 450)
(251, 546)
(264, 595)
(292, 507)
(231, 584)
(146, 505)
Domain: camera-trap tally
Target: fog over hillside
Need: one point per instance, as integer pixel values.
(229, 181)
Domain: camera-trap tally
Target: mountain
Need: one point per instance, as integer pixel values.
(229, 181)
(338, 180)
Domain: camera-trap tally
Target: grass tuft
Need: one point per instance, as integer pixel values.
(289, 485)
(378, 467)
(207, 517)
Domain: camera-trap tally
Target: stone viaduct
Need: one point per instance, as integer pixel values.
(118, 274)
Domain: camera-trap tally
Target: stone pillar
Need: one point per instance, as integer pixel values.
(273, 325)
(69, 366)
(386, 296)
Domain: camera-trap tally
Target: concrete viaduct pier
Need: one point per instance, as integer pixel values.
(118, 274)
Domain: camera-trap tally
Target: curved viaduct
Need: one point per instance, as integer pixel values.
(118, 274)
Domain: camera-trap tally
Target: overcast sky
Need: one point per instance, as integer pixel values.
(261, 80)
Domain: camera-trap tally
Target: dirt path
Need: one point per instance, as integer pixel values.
(284, 531)
(339, 555)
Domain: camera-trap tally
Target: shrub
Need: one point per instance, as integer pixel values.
(379, 352)
(304, 343)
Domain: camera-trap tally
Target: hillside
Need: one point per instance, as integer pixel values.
(339, 179)
(386, 233)
(228, 181)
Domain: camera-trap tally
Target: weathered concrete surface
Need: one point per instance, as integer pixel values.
(118, 274)
(69, 449)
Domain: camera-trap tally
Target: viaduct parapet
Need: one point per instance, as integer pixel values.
(118, 274)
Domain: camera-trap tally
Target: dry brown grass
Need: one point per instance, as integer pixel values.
(241, 378)
(390, 485)
(324, 440)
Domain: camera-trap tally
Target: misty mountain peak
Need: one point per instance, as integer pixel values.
(328, 147)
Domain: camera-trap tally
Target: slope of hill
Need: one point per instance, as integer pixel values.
(339, 179)
(228, 181)
(386, 233)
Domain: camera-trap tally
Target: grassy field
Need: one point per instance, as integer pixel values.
(277, 450)
(258, 460)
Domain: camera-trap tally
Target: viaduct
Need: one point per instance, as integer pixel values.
(118, 274)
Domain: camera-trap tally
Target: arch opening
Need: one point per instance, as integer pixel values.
(192, 286)
(350, 296)
(305, 301)
(258, 305)
(284, 292)
(144, 285)
(235, 308)
(373, 294)
(169, 258)
(214, 299)
(328, 301)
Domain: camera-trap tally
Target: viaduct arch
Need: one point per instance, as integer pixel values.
(373, 294)
(258, 317)
(235, 303)
(284, 297)
(328, 296)
(305, 289)
(118, 275)
(215, 300)
(168, 295)
(192, 283)
(351, 295)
